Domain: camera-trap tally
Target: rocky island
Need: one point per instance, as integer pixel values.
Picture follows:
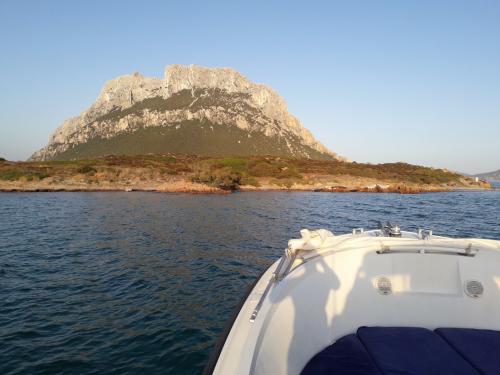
(201, 129)
(192, 110)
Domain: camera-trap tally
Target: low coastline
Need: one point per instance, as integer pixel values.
(210, 175)
(197, 188)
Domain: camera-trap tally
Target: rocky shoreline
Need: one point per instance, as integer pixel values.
(211, 175)
(194, 188)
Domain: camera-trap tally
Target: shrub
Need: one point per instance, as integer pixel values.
(2, 160)
(262, 169)
(275, 168)
(233, 163)
(13, 175)
(249, 181)
(87, 169)
(223, 178)
(168, 159)
(228, 182)
(168, 171)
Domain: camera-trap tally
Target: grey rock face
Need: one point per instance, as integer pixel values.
(227, 97)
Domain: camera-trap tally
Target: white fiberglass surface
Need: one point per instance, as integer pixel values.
(331, 296)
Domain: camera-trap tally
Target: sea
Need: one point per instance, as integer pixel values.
(144, 283)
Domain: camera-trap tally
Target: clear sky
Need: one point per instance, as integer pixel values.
(377, 81)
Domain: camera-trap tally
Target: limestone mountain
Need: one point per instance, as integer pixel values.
(192, 110)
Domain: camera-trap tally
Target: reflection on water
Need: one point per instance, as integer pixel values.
(144, 282)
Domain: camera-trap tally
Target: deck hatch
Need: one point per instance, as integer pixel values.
(415, 273)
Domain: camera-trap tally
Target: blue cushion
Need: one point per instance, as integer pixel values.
(480, 347)
(409, 350)
(346, 357)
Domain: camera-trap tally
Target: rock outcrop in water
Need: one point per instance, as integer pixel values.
(192, 110)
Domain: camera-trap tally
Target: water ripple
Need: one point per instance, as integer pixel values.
(121, 283)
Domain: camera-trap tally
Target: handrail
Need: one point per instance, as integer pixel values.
(276, 277)
(466, 253)
(447, 247)
(423, 243)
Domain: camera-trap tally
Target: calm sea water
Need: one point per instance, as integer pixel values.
(128, 283)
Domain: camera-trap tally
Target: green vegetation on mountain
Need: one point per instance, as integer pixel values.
(188, 137)
(208, 121)
(194, 100)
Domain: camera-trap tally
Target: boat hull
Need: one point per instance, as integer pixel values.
(310, 298)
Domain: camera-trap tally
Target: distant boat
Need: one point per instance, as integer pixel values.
(381, 301)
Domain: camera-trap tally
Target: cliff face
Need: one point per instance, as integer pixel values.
(193, 109)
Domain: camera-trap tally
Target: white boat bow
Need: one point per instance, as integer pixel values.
(325, 287)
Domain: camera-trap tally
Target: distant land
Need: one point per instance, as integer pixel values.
(202, 130)
(490, 176)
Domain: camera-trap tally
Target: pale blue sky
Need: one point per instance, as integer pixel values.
(377, 81)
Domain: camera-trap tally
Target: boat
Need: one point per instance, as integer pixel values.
(380, 301)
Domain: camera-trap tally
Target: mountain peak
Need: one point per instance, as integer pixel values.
(188, 93)
(179, 77)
